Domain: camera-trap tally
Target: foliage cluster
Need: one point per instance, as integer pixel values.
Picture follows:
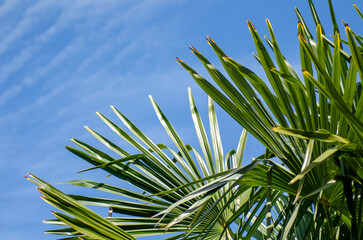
(306, 185)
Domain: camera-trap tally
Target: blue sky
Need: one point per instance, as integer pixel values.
(61, 61)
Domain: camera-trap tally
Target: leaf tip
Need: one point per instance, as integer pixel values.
(193, 49)
(250, 25)
(299, 25)
(268, 22)
(292, 181)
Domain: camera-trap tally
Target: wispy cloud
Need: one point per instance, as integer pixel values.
(48, 91)
(126, 39)
(25, 25)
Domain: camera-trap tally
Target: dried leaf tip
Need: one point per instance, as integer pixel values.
(209, 39)
(193, 49)
(250, 25)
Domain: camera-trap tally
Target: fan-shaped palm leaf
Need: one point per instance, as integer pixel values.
(307, 185)
(311, 122)
(166, 176)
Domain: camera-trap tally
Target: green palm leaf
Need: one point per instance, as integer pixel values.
(307, 184)
(171, 180)
(330, 120)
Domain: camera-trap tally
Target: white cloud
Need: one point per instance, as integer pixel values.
(25, 25)
(126, 39)
(8, 6)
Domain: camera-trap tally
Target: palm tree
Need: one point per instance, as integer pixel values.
(311, 123)
(307, 184)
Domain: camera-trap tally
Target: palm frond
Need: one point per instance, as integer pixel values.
(170, 179)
